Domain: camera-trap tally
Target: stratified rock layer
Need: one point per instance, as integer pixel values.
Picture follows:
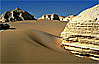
(81, 35)
(16, 15)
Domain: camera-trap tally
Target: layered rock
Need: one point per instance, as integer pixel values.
(69, 18)
(49, 17)
(81, 35)
(16, 15)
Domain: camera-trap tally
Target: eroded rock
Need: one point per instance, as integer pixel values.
(49, 17)
(69, 18)
(4, 26)
(16, 15)
(81, 34)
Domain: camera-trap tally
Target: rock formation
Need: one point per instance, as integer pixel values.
(61, 18)
(81, 35)
(49, 17)
(69, 18)
(16, 15)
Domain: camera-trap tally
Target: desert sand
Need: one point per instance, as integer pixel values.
(36, 42)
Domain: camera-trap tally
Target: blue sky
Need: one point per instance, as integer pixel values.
(39, 8)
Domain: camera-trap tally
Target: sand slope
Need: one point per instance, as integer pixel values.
(36, 42)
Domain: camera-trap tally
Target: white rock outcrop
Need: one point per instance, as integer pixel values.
(16, 15)
(69, 18)
(81, 34)
(61, 18)
(49, 17)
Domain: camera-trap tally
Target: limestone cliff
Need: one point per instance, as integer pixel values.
(16, 15)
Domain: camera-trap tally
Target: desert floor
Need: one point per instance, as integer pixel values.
(36, 42)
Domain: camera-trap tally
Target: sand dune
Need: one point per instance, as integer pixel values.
(36, 42)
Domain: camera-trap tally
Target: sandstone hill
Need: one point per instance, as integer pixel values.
(16, 15)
